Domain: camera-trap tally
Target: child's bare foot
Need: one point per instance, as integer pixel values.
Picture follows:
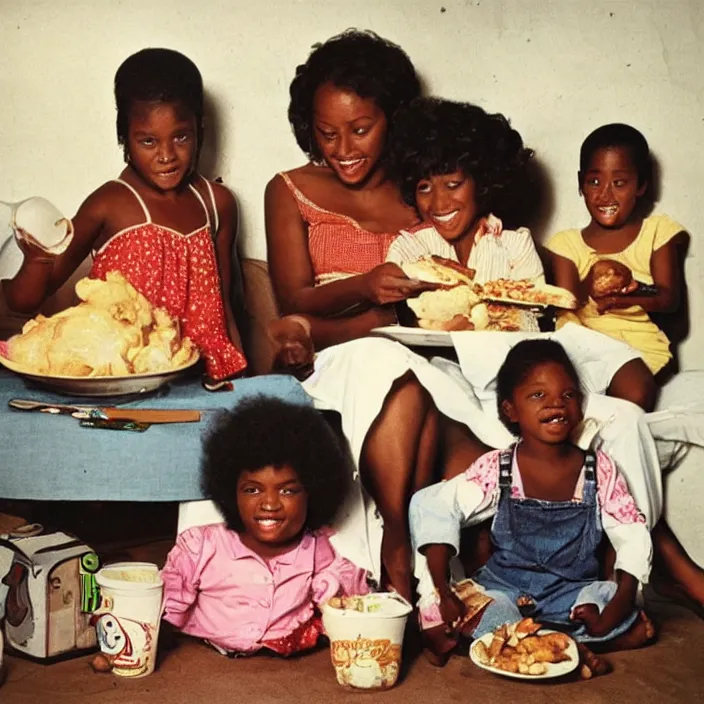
(590, 664)
(640, 634)
(438, 645)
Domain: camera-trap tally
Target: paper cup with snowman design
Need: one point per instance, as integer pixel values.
(366, 636)
(127, 620)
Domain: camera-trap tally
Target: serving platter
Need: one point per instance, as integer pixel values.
(557, 669)
(97, 386)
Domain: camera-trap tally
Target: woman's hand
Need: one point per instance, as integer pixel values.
(387, 283)
(294, 352)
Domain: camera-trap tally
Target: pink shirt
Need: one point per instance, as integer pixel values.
(218, 589)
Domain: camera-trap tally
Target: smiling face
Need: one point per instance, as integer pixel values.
(546, 405)
(162, 144)
(610, 187)
(272, 504)
(350, 132)
(449, 203)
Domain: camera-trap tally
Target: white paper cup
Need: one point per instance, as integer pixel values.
(365, 647)
(127, 620)
(41, 223)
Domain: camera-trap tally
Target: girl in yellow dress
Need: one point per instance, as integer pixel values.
(623, 266)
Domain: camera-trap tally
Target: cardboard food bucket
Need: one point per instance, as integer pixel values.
(366, 636)
(127, 620)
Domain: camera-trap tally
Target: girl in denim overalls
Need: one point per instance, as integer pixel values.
(551, 504)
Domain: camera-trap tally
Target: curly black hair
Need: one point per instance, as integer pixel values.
(617, 134)
(431, 137)
(159, 76)
(362, 61)
(265, 431)
(520, 362)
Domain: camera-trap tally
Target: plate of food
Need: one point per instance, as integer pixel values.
(113, 343)
(525, 650)
(415, 336)
(458, 303)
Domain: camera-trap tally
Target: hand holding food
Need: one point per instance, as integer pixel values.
(610, 278)
(458, 303)
(388, 283)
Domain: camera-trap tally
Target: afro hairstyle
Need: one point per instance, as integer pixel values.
(262, 432)
(361, 61)
(432, 137)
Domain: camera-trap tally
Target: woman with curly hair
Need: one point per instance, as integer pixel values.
(329, 226)
(461, 167)
(277, 474)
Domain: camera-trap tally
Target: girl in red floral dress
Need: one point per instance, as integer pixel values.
(165, 227)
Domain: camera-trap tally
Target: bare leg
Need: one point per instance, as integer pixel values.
(681, 576)
(398, 458)
(634, 382)
(460, 447)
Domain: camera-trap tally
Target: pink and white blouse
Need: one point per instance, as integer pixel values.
(439, 512)
(218, 589)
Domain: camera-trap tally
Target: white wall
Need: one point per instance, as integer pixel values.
(558, 69)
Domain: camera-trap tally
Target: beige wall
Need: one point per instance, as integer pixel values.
(558, 69)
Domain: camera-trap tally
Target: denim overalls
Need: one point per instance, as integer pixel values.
(545, 554)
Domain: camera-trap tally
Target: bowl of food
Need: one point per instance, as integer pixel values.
(366, 634)
(113, 343)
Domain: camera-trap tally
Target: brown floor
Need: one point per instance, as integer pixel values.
(670, 671)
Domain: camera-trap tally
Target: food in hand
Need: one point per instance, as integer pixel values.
(609, 278)
(460, 304)
(438, 270)
(114, 331)
(520, 648)
(475, 600)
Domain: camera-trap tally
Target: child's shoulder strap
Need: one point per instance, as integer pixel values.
(590, 466)
(506, 467)
(147, 214)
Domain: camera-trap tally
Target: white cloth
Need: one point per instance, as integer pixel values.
(354, 379)
(498, 254)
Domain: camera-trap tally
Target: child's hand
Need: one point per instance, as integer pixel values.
(452, 609)
(601, 624)
(293, 347)
(604, 305)
(388, 284)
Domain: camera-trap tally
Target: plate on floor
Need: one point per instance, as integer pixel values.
(557, 669)
(415, 336)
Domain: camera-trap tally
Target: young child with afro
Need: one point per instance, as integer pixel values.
(277, 474)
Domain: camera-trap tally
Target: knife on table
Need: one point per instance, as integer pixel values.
(141, 415)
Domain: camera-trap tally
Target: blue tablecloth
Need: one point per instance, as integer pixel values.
(45, 457)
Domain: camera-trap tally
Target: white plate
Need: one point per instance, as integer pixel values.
(556, 669)
(415, 336)
(99, 386)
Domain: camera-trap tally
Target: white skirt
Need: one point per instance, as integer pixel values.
(355, 378)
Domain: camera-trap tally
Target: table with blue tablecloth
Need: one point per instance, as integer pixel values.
(51, 457)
